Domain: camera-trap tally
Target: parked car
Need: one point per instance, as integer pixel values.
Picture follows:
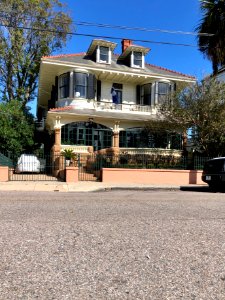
(214, 173)
(28, 163)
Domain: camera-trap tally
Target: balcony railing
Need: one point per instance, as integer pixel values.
(103, 105)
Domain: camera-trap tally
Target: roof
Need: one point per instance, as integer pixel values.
(98, 42)
(134, 48)
(117, 65)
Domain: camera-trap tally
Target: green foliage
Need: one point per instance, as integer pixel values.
(213, 21)
(16, 128)
(69, 154)
(201, 107)
(31, 29)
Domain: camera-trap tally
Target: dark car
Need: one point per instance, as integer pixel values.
(214, 172)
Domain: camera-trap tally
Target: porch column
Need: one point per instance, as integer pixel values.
(57, 137)
(57, 129)
(116, 135)
(57, 159)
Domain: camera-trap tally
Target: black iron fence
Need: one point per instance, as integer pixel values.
(146, 161)
(45, 167)
(36, 166)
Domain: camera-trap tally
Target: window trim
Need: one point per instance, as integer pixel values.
(118, 87)
(142, 94)
(75, 85)
(99, 55)
(133, 65)
(163, 94)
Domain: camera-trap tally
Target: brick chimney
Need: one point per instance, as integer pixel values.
(125, 43)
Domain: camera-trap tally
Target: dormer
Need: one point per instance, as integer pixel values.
(101, 51)
(133, 55)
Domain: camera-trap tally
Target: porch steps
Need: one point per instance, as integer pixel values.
(85, 175)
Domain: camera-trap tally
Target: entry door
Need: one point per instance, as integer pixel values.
(96, 142)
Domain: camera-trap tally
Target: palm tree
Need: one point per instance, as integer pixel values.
(212, 45)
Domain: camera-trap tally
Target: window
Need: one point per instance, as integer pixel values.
(80, 85)
(118, 88)
(137, 59)
(131, 138)
(146, 94)
(163, 92)
(104, 54)
(64, 86)
(88, 134)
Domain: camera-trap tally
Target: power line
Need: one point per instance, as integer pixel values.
(122, 27)
(81, 23)
(97, 36)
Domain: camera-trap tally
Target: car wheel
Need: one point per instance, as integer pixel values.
(213, 187)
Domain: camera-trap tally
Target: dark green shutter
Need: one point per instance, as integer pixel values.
(91, 86)
(138, 94)
(174, 87)
(99, 90)
(68, 85)
(56, 87)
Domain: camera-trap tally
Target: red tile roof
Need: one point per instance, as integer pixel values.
(65, 55)
(61, 108)
(165, 69)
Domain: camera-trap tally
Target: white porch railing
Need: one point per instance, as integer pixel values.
(103, 105)
(159, 151)
(77, 148)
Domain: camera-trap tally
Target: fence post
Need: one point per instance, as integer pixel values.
(190, 160)
(71, 174)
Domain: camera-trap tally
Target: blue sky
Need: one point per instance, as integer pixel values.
(183, 15)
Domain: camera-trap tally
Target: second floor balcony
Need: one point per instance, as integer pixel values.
(107, 106)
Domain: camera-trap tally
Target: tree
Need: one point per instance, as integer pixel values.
(200, 108)
(31, 29)
(16, 128)
(213, 22)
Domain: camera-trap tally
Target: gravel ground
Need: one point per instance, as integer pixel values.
(112, 245)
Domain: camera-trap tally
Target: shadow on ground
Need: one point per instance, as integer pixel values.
(205, 189)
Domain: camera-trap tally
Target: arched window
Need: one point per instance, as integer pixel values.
(87, 134)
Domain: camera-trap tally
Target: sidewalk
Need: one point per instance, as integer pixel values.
(84, 186)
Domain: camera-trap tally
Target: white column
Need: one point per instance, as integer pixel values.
(156, 93)
(71, 85)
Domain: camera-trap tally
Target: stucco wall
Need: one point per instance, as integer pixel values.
(152, 176)
(4, 174)
(129, 92)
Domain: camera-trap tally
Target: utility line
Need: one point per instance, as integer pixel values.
(97, 36)
(122, 27)
(81, 23)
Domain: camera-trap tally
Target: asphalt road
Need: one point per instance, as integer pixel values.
(112, 245)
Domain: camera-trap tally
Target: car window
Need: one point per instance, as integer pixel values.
(217, 165)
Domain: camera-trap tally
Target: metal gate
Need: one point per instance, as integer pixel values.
(90, 166)
(35, 167)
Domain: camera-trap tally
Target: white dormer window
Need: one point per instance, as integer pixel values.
(137, 59)
(103, 55)
(100, 51)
